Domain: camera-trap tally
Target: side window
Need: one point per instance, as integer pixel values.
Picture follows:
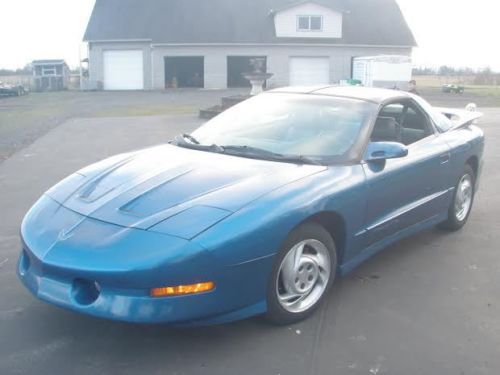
(388, 125)
(415, 125)
(395, 110)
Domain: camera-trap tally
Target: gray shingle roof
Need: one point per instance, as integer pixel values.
(366, 22)
(52, 61)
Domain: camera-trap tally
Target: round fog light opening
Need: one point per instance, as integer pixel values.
(85, 292)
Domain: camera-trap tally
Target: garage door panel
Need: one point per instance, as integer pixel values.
(123, 70)
(305, 71)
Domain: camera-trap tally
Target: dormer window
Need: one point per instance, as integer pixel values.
(308, 20)
(309, 23)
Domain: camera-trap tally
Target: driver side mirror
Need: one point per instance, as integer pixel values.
(378, 151)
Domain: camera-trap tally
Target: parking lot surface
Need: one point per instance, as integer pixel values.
(427, 305)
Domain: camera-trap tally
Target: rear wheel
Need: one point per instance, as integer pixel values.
(303, 273)
(463, 199)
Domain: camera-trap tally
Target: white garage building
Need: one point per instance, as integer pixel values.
(158, 44)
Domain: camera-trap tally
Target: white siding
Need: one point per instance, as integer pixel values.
(286, 22)
(278, 57)
(216, 60)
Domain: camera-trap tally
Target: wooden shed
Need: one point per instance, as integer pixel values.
(50, 75)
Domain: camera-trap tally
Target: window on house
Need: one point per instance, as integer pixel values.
(49, 71)
(303, 23)
(310, 23)
(316, 23)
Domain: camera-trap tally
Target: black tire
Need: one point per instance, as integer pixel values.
(278, 315)
(453, 223)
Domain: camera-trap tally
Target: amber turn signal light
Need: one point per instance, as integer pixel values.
(181, 290)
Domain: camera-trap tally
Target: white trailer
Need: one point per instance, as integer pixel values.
(386, 71)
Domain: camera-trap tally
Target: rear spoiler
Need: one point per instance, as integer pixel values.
(461, 117)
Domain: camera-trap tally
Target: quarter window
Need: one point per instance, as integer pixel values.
(310, 23)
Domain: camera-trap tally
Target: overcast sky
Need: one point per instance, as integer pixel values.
(453, 32)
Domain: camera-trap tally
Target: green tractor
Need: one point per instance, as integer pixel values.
(453, 89)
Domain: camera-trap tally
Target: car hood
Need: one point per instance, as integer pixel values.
(144, 188)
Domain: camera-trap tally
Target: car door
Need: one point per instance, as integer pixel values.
(410, 190)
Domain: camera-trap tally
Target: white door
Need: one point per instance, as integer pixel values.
(123, 70)
(305, 71)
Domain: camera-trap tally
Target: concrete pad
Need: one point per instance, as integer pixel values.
(428, 305)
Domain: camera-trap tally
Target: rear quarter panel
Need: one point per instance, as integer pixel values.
(466, 144)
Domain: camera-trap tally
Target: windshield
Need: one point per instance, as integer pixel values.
(290, 124)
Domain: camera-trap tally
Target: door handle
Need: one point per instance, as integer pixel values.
(445, 158)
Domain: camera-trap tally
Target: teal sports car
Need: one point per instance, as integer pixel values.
(256, 212)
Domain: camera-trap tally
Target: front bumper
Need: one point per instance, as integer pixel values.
(135, 306)
(107, 271)
(85, 296)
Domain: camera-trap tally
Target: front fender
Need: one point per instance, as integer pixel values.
(258, 230)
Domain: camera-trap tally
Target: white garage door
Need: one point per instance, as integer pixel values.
(306, 71)
(123, 70)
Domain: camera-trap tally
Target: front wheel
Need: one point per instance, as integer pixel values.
(303, 273)
(463, 198)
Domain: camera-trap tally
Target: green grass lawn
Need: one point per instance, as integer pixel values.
(23, 119)
(434, 83)
(484, 90)
(479, 91)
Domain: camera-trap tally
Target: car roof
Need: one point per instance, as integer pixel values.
(370, 94)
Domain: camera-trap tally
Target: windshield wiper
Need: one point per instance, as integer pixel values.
(182, 141)
(244, 151)
(259, 153)
(190, 138)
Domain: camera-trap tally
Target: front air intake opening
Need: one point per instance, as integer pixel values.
(85, 292)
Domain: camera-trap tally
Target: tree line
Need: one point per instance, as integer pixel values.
(17, 72)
